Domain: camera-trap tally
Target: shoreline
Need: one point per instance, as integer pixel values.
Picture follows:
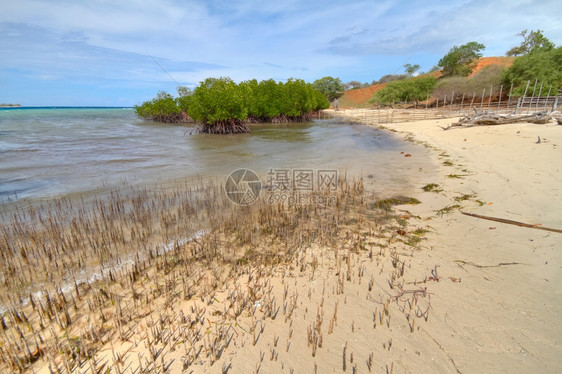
(502, 316)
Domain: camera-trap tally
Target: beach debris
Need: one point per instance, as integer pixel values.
(486, 118)
(511, 222)
(434, 276)
(462, 262)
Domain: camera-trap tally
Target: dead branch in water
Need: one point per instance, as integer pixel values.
(491, 119)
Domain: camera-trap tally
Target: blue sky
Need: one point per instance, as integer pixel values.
(101, 52)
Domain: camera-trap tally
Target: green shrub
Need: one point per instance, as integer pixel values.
(488, 77)
(543, 66)
(413, 89)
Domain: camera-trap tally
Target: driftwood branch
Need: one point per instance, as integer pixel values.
(508, 221)
(490, 119)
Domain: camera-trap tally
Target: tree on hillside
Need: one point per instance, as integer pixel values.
(461, 59)
(331, 87)
(353, 85)
(532, 41)
(542, 65)
(389, 78)
(411, 69)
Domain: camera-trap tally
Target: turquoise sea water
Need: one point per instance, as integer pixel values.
(46, 152)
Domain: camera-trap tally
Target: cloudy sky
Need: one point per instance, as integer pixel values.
(120, 53)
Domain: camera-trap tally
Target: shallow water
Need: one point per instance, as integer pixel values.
(73, 153)
(49, 152)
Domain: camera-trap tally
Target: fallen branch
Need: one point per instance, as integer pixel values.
(487, 266)
(491, 119)
(508, 221)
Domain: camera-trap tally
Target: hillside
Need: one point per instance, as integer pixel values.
(483, 62)
(359, 97)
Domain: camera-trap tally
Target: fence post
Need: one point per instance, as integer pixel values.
(462, 102)
(473, 96)
(525, 93)
(509, 97)
(490, 99)
(547, 97)
(555, 104)
(518, 104)
(482, 99)
(500, 97)
(539, 97)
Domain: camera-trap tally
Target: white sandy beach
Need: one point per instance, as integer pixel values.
(504, 314)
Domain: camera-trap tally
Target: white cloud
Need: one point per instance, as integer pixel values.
(194, 39)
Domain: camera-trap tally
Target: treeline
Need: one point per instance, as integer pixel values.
(225, 107)
(536, 59)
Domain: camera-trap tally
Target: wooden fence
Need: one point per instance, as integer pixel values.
(447, 110)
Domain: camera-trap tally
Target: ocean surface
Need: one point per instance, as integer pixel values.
(47, 152)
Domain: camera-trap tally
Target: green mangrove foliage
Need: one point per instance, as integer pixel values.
(220, 105)
(163, 108)
(407, 90)
(224, 107)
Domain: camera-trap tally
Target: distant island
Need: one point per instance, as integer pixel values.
(9, 105)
